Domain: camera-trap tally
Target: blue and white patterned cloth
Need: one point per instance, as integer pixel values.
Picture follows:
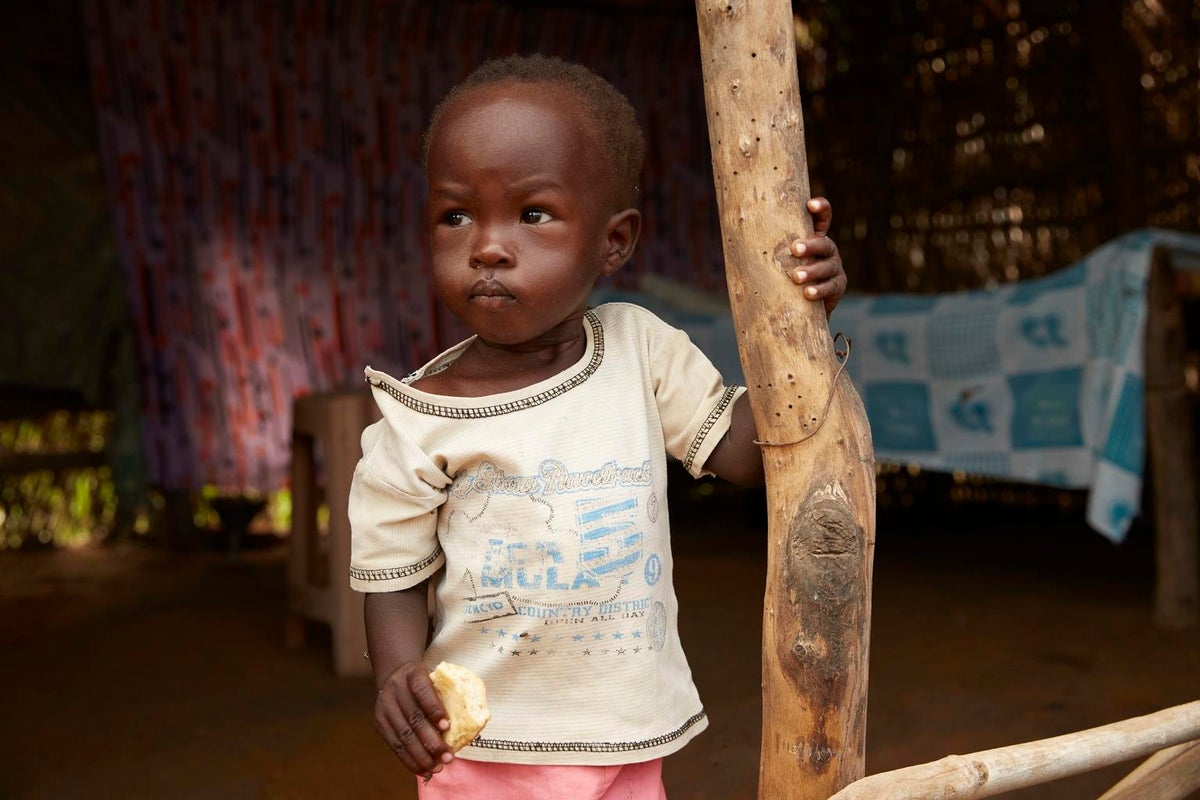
(1038, 381)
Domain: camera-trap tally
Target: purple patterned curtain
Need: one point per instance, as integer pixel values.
(262, 163)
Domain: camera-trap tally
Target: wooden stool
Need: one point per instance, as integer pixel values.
(318, 562)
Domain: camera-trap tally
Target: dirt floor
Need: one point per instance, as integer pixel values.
(138, 671)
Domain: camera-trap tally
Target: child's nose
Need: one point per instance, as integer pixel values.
(490, 250)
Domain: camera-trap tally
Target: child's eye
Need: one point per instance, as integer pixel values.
(455, 219)
(535, 216)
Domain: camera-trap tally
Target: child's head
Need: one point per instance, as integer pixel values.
(610, 112)
(532, 167)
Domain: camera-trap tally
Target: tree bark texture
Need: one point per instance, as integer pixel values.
(815, 436)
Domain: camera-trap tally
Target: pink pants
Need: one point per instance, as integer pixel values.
(480, 780)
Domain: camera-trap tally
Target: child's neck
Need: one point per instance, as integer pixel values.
(487, 368)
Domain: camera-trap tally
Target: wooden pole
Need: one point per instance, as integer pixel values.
(817, 445)
(1171, 454)
(1004, 769)
(1171, 772)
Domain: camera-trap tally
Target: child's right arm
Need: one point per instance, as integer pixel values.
(408, 714)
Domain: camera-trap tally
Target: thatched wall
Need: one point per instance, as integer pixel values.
(968, 144)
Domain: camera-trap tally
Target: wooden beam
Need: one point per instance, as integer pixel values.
(1004, 769)
(1173, 772)
(816, 439)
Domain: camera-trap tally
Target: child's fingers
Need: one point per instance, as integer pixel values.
(817, 271)
(409, 735)
(822, 214)
(816, 247)
(410, 717)
(823, 289)
(823, 280)
(428, 701)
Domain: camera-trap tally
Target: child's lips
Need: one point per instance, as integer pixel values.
(490, 292)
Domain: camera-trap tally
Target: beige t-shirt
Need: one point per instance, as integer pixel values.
(543, 515)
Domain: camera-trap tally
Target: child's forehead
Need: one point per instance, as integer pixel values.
(543, 102)
(540, 112)
(510, 122)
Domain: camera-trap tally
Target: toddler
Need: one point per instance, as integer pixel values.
(524, 471)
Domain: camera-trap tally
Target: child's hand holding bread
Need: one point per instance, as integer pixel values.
(426, 717)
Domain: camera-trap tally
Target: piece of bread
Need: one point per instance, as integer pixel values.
(464, 697)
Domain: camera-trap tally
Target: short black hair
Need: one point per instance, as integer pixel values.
(610, 110)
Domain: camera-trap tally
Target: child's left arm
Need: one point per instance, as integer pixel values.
(737, 458)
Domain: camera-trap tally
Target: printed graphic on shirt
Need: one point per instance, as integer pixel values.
(553, 478)
(563, 564)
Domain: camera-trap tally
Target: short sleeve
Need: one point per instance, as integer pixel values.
(694, 403)
(394, 499)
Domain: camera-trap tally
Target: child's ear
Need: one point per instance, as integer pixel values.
(621, 236)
